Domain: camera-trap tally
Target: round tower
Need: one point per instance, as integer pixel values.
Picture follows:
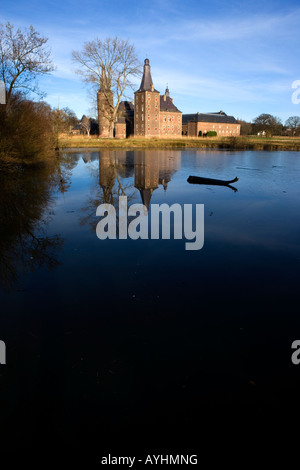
(104, 99)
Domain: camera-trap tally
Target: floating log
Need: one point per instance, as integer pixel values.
(200, 180)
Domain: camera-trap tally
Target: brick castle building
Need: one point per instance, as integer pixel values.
(197, 125)
(155, 115)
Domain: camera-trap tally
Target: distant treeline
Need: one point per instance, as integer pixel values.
(268, 125)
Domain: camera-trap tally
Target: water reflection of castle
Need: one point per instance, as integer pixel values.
(150, 168)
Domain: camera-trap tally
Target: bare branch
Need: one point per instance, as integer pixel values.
(108, 66)
(23, 57)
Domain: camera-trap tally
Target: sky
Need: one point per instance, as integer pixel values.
(237, 56)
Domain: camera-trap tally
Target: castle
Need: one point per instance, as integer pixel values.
(155, 115)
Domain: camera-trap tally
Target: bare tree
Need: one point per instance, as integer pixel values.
(267, 123)
(293, 125)
(85, 124)
(23, 56)
(109, 66)
(246, 127)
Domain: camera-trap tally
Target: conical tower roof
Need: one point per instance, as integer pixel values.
(147, 83)
(146, 194)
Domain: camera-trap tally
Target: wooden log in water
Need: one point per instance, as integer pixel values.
(212, 181)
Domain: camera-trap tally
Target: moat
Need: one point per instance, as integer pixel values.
(119, 338)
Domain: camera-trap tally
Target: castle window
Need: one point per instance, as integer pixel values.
(137, 108)
(142, 108)
(142, 98)
(172, 118)
(142, 117)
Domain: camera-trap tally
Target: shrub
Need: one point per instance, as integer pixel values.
(211, 134)
(26, 130)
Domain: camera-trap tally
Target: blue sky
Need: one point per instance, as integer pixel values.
(237, 56)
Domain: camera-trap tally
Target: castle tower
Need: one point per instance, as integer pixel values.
(104, 112)
(146, 106)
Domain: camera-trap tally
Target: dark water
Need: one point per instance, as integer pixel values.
(140, 344)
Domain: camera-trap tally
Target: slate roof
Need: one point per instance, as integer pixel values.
(126, 106)
(219, 117)
(146, 195)
(168, 105)
(125, 111)
(146, 83)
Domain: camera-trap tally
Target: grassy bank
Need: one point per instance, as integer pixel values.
(235, 143)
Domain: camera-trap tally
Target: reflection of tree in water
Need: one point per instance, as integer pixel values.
(66, 163)
(25, 197)
(114, 166)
